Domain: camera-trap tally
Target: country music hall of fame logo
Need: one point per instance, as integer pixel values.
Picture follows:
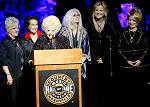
(59, 89)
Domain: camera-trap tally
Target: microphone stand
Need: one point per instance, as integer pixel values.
(110, 62)
(110, 55)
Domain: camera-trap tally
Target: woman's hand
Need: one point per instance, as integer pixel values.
(131, 63)
(137, 63)
(30, 62)
(83, 59)
(9, 79)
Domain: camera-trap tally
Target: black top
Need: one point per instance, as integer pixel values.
(59, 42)
(132, 46)
(75, 41)
(100, 43)
(28, 45)
(12, 55)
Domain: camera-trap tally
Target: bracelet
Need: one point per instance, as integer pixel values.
(7, 74)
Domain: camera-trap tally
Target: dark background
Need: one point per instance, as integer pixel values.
(43, 8)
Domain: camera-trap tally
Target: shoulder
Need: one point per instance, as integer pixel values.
(64, 28)
(41, 39)
(25, 42)
(64, 31)
(61, 38)
(6, 41)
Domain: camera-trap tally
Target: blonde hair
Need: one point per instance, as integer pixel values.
(136, 13)
(104, 5)
(10, 22)
(51, 21)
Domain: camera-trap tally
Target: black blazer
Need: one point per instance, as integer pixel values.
(59, 42)
(12, 55)
(132, 50)
(100, 43)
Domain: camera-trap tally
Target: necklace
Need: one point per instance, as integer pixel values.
(131, 36)
(100, 26)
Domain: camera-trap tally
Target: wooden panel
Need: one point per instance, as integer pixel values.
(57, 67)
(57, 56)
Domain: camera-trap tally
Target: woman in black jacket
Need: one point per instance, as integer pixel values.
(50, 40)
(12, 62)
(133, 48)
(103, 40)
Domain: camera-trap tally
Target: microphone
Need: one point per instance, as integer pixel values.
(110, 54)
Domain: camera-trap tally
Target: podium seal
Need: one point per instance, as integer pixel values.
(59, 89)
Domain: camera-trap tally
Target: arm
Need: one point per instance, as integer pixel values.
(9, 77)
(4, 63)
(119, 48)
(145, 43)
(85, 49)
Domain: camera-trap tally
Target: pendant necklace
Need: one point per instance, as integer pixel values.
(131, 36)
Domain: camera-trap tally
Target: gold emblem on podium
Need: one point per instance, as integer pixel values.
(59, 89)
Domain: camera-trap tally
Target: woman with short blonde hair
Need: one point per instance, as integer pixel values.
(133, 49)
(136, 13)
(12, 60)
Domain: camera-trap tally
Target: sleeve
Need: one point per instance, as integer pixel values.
(86, 48)
(145, 42)
(119, 48)
(3, 54)
(63, 42)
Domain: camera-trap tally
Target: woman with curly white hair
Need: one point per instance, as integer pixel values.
(50, 40)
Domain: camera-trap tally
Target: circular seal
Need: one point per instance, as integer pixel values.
(59, 89)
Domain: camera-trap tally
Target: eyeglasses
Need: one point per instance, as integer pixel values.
(76, 15)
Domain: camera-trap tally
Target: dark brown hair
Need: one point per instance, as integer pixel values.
(27, 20)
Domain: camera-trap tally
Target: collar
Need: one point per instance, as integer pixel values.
(27, 35)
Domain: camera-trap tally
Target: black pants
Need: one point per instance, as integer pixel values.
(98, 86)
(11, 95)
(84, 93)
(3, 93)
(131, 88)
(30, 87)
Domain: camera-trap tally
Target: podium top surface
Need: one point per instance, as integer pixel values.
(57, 56)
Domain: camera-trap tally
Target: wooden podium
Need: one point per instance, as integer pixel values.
(58, 77)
